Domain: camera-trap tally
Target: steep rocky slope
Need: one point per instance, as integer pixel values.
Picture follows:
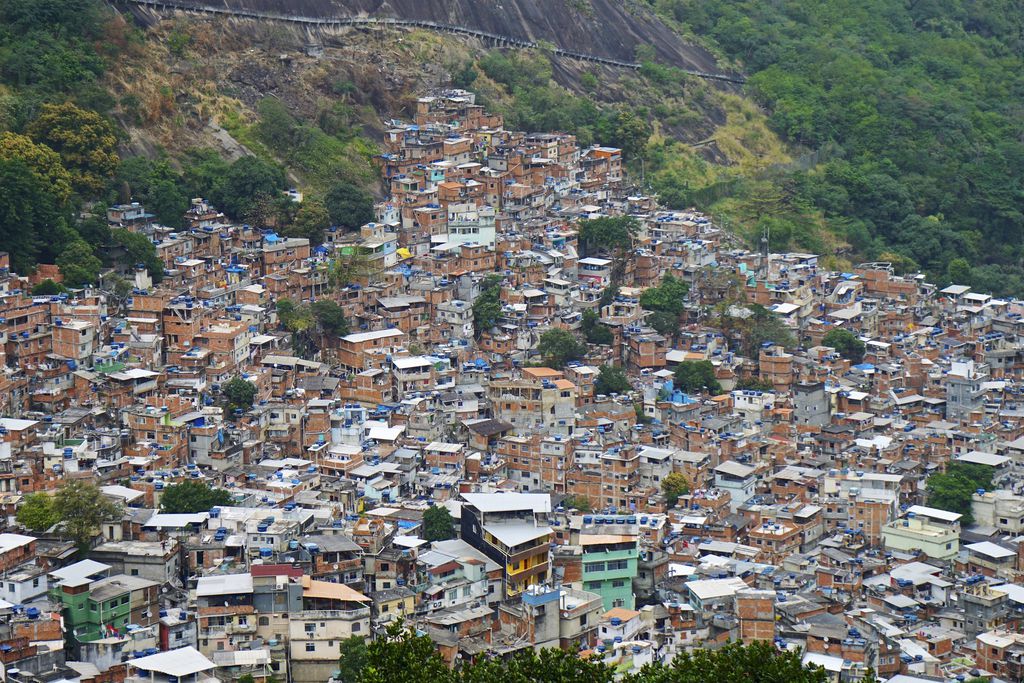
(608, 28)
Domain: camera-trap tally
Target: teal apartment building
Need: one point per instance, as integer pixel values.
(609, 566)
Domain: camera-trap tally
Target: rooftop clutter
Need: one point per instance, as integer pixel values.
(524, 407)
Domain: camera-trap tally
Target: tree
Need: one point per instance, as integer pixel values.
(191, 496)
(42, 162)
(353, 659)
(85, 141)
(300, 321)
(487, 305)
(32, 227)
(550, 665)
(78, 265)
(952, 490)
(82, 508)
(608, 232)
(959, 271)
(612, 379)
(352, 265)
(349, 206)
(139, 249)
(37, 512)
(631, 134)
(311, 220)
(759, 327)
(48, 288)
(695, 376)
(845, 343)
(247, 181)
(668, 297)
(575, 502)
(666, 324)
(401, 656)
(438, 524)
(559, 346)
(404, 657)
(759, 662)
(330, 318)
(754, 384)
(593, 330)
(673, 486)
(239, 393)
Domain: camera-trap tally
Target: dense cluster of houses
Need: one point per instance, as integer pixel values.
(804, 520)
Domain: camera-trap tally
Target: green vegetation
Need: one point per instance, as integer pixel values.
(487, 305)
(319, 157)
(668, 297)
(952, 490)
(36, 512)
(613, 233)
(313, 326)
(81, 508)
(612, 379)
(402, 656)
(139, 249)
(353, 659)
(85, 141)
(673, 486)
(349, 206)
(575, 502)
(558, 347)
(537, 104)
(915, 108)
(749, 331)
(239, 394)
(438, 524)
(192, 496)
(311, 220)
(78, 265)
(754, 384)
(845, 343)
(593, 331)
(48, 288)
(696, 376)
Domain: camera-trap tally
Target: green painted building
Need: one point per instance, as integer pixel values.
(609, 566)
(101, 608)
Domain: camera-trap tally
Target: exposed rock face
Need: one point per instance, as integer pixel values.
(607, 28)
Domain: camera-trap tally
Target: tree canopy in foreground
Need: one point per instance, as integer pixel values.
(402, 656)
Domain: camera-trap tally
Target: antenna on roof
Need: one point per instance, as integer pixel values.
(765, 254)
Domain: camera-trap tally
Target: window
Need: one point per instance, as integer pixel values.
(357, 627)
(35, 582)
(593, 567)
(310, 647)
(310, 628)
(264, 621)
(617, 564)
(135, 572)
(618, 583)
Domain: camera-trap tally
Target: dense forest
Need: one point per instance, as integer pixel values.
(919, 108)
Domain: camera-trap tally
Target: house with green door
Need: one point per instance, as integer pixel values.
(94, 609)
